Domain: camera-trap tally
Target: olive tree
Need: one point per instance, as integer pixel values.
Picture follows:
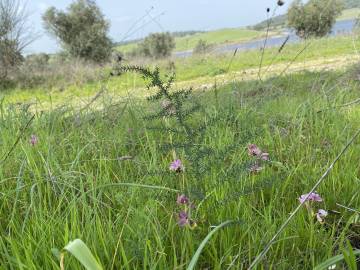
(15, 35)
(315, 18)
(82, 30)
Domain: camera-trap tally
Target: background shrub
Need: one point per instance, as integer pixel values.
(202, 47)
(315, 18)
(157, 45)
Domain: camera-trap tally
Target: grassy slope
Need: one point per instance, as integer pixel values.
(202, 68)
(228, 35)
(221, 36)
(57, 191)
(349, 14)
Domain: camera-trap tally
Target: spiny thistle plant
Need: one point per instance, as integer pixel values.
(188, 124)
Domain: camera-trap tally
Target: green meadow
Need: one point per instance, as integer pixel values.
(199, 173)
(103, 176)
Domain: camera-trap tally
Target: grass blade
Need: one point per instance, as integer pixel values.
(82, 253)
(334, 260)
(196, 256)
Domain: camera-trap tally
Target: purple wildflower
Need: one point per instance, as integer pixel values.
(33, 140)
(176, 166)
(182, 199)
(254, 151)
(265, 156)
(255, 168)
(321, 215)
(183, 219)
(314, 197)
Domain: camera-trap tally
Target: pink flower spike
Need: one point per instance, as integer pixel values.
(314, 197)
(182, 199)
(177, 166)
(33, 140)
(183, 219)
(321, 215)
(253, 150)
(265, 156)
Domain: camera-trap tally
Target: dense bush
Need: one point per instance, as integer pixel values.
(52, 72)
(202, 47)
(315, 18)
(82, 30)
(38, 61)
(157, 45)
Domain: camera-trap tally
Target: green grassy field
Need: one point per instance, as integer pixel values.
(75, 182)
(197, 70)
(349, 14)
(73, 167)
(222, 36)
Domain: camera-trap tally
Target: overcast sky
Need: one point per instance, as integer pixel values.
(163, 15)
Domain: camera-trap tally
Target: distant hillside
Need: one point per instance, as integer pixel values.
(277, 21)
(188, 40)
(351, 11)
(176, 34)
(352, 4)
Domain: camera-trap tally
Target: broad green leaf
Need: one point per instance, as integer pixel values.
(82, 253)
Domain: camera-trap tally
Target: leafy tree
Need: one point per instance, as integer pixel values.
(15, 35)
(158, 45)
(315, 18)
(82, 30)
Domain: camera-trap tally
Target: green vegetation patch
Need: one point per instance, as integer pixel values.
(108, 177)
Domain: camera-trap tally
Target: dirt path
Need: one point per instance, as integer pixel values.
(323, 64)
(207, 82)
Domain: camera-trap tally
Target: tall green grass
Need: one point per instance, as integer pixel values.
(74, 184)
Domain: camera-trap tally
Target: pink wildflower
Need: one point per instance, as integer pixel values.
(255, 168)
(265, 156)
(182, 199)
(176, 166)
(33, 140)
(254, 151)
(321, 215)
(183, 219)
(314, 197)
